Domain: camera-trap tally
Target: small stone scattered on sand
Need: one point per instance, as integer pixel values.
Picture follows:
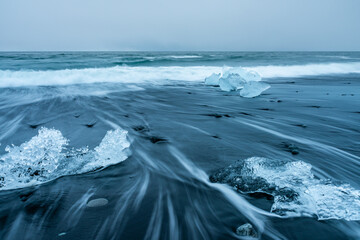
(98, 202)
(291, 148)
(34, 126)
(156, 139)
(246, 230)
(90, 124)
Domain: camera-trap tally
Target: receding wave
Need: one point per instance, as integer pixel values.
(126, 74)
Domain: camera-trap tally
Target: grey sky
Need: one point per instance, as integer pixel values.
(180, 25)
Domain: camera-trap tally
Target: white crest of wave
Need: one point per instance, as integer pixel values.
(160, 75)
(46, 157)
(184, 56)
(119, 74)
(307, 70)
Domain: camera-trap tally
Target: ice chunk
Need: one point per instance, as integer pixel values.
(111, 150)
(46, 157)
(213, 79)
(294, 187)
(231, 82)
(252, 76)
(253, 89)
(44, 150)
(246, 75)
(34, 160)
(232, 79)
(310, 196)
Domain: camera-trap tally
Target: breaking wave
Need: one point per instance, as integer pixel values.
(126, 74)
(308, 70)
(46, 156)
(113, 75)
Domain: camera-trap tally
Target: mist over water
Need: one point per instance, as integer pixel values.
(173, 157)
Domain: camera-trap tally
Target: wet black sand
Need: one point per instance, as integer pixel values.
(151, 194)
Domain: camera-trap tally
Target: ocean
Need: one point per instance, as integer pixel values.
(179, 145)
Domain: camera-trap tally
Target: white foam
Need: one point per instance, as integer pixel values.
(310, 196)
(118, 74)
(46, 157)
(184, 56)
(159, 75)
(307, 70)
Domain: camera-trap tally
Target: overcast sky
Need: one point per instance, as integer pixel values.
(242, 25)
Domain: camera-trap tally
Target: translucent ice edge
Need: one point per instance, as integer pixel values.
(298, 193)
(46, 157)
(248, 82)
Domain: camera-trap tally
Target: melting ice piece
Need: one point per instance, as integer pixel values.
(111, 150)
(233, 79)
(295, 189)
(231, 82)
(253, 76)
(246, 75)
(253, 89)
(213, 79)
(46, 157)
(34, 160)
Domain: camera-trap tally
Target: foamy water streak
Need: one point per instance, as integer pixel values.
(125, 74)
